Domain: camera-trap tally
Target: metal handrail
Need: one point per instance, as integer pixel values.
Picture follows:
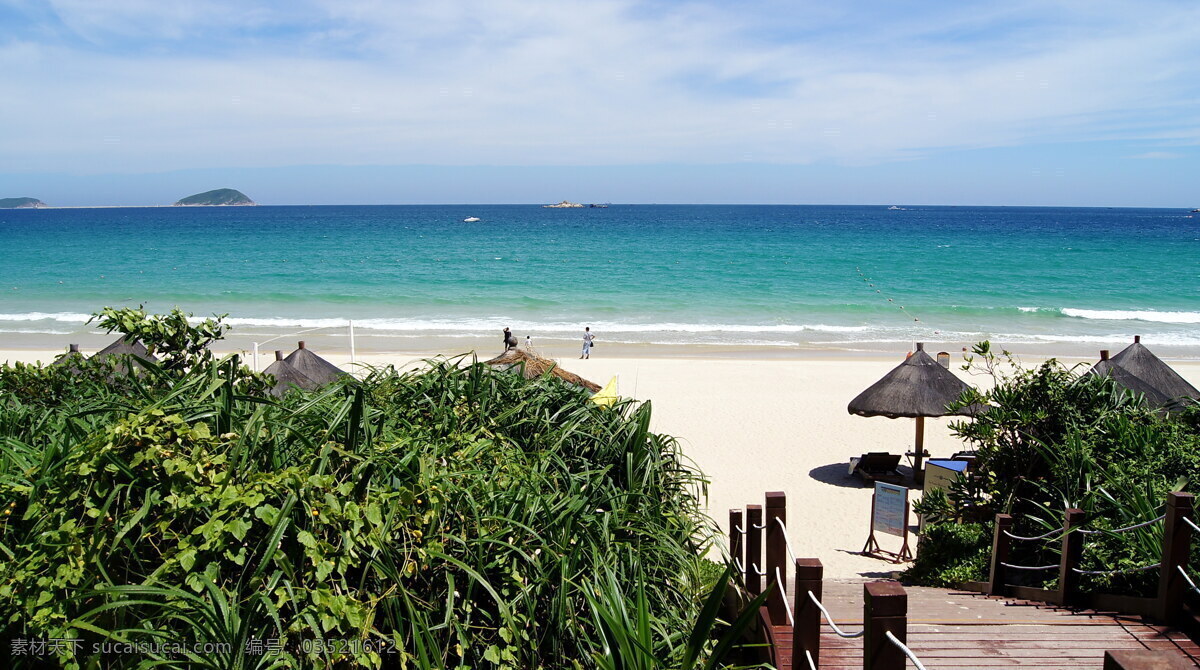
(1036, 537)
(811, 664)
(829, 620)
(1188, 579)
(783, 596)
(756, 570)
(1144, 568)
(1125, 529)
(787, 541)
(1028, 567)
(739, 529)
(904, 648)
(1191, 523)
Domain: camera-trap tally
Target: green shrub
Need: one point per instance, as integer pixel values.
(458, 516)
(1052, 439)
(949, 554)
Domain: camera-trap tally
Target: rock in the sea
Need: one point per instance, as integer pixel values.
(21, 203)
(219, 198)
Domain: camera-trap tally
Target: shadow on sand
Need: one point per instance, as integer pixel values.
(891, 572)
(835, 474)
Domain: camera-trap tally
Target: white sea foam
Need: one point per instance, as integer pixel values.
(62, 317)
(285, 322)
(674, 332)
(1164, 339)
(1133, 315)
(35, 331)
(499, 322)
(472, 325)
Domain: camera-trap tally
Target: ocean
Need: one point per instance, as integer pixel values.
(781, 278)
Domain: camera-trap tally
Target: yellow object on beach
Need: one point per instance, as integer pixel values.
(607, 396)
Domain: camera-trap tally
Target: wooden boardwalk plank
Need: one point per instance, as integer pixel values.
(951, 630)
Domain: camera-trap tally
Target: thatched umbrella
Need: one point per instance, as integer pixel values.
(1137, 359)
(71, 358)
(313, 366)
(123, 347)
(286, 376)
(1108, 367)
(533, 366)
(916, 388)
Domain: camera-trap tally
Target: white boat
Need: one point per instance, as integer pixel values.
(471, 219)
(895, 207)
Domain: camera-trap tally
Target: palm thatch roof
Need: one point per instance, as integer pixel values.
(1107, 367)
(533, 366)
(123, 347)
(917, 387)
(287, 376)
(72, 358)
(1137, 359)
(313, 366)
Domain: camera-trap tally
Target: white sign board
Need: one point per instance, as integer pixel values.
(890, 514)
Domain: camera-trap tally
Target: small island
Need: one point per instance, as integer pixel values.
(563, 205)
(21, 203)
(222, 197)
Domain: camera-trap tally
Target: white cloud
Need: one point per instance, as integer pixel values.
(541, 82)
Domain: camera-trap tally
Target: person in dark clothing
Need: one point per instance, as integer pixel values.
(510, 340)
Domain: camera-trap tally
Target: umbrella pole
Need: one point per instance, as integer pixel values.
(918, 470)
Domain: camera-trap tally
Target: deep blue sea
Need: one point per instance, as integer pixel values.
(782, 276)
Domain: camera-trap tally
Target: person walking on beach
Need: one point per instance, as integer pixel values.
(510, 340)
(587, 342)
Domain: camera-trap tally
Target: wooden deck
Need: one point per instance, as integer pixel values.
(960, 630)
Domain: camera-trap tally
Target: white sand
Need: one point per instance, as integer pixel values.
(757, 425)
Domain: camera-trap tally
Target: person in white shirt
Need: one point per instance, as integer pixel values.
(587, 342)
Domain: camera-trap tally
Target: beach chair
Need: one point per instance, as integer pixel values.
(968, 456)
(877, 466)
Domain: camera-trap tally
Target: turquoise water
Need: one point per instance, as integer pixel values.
(749, 275)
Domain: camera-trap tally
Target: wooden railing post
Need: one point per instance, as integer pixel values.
(806, 630)
(885, 608)
(1141, 659)
(776, 550)
(737, 555)
(1176, 548)
(754, 561)
(1072, 552)
(1001, 548)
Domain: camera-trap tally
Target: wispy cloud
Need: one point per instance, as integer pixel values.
(543, 82)
(1157, 155)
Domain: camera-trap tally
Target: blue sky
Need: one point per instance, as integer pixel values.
(366, 101)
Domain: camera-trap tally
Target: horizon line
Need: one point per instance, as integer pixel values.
(903, 207)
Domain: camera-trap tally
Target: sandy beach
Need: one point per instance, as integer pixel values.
(757, 424)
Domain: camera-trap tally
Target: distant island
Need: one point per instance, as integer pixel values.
(563, 205)
(222, 197)
(21, 203)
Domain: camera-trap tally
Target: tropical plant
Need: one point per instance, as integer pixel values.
(451, 517)
(1053, 439)
(170, 335)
